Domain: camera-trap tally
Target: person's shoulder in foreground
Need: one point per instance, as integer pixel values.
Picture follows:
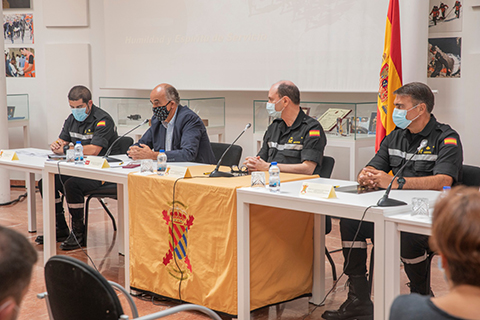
(17, 257)
(415, 306)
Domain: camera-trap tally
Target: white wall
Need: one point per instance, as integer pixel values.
(455, 101)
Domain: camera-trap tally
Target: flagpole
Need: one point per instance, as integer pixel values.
(414, 34)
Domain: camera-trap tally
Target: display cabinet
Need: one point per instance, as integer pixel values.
(18, 115)
(346, 125)
(129, 112)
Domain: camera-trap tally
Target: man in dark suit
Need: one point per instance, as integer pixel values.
(175, 128)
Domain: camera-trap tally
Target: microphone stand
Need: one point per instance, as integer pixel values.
(106, 156)
(385, 201)
(215, 173)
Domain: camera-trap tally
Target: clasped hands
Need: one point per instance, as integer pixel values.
(141, 152)
(256, 164)
(372, 178)
(57, 146)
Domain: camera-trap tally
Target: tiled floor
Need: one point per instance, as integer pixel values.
(103, 250)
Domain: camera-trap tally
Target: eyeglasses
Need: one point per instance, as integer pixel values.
(156, 103)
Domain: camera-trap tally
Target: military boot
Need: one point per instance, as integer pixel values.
(358, 304)
(62, 231)
(76, 238)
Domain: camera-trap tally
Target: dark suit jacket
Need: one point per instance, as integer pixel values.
(190, 141)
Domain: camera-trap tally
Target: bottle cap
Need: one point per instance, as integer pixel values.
(445, 188)
(161, 150)
(79, 142)
(274, 163)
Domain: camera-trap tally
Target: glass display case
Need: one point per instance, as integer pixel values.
(210, 110)
(129, 112)
(18, 115)
(17, 107)
(342, 120)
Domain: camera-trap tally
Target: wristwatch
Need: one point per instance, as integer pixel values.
(401, 182)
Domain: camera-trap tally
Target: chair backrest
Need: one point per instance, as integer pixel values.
(124, 143)
(77, 292)
(326, 168)
(231, 158)
(471, 176)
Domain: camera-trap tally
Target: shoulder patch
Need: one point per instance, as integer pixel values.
(450, 141)
(101, 123)
(314, 133)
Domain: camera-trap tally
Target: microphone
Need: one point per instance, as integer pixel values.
(385, 201)
(215, 172)
(106, 156)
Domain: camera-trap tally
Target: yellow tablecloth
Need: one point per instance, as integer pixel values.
(205, 242)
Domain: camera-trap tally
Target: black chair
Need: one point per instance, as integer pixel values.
(107, 190)
(471, 176)
(75, 291)
(325, 171)
(232, 158)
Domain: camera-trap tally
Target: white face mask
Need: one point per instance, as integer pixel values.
(271, 110)
(399, 117)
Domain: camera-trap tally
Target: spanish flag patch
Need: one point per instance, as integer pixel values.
(450, 141)
(314, 133)
(101, 123)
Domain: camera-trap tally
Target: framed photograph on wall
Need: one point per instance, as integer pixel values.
(444, 57)
(445, 16)
(16, 4)
(20, 62)
(18, 28)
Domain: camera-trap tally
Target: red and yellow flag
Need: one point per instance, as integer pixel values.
(390, 73)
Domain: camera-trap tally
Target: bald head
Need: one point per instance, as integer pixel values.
(288, 89)
(165, 91)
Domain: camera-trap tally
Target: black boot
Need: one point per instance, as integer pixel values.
(62, 234)
(62, 230)
(76, 238)
(358, 304)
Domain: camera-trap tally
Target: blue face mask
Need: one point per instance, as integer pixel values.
(399, 117)
(272, 112)
(80, 114)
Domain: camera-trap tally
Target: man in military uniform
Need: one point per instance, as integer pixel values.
(96, 130)
(437, 165)
(294, 140)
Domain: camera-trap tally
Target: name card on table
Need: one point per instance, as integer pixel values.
(178, 172)
(97, 162)
(318, 190)
(8, 155)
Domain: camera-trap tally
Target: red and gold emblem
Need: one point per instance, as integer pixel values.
(179, 223)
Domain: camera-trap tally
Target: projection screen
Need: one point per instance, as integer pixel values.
(321, 45)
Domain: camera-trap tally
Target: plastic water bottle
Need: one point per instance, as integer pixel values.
(161, 163)
(446, 190)
(274, 178)
(78, 153)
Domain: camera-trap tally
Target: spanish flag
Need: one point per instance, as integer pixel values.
(390, 73)
(101, 123)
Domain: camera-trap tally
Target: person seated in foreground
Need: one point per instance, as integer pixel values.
(438, 164)
(17, 257)
(294, 140)
(456, 239)
(175, 128)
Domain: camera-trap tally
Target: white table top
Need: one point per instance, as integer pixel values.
(290, 192)
(30, 159)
